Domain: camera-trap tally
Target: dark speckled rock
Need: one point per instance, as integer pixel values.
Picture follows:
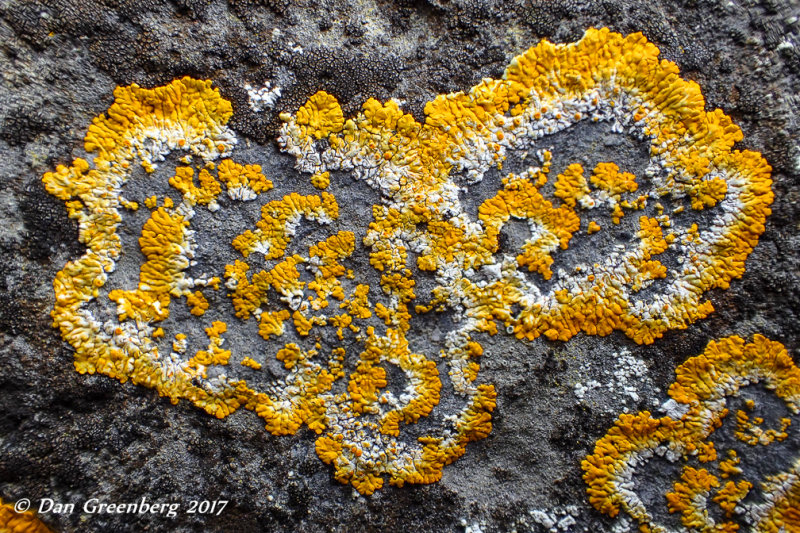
(72, 437)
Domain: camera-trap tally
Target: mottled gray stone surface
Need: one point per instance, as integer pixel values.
(71, 437)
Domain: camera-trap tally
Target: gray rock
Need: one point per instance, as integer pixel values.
(72, 437)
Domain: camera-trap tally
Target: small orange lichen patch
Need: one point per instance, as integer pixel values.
(204, 194)
(521, 199)
(251, 363)
(695, 485)
(163, 243)
(197, 303)
(729, 467)
(731, 494)
(750, 431)
(702, 384)
(13, 522)
(784, 512)
(270, 323)
(239, 179)
(321, 115)
(127, 204)
(214, 355)
(571, 186)
(321, 180)
(273, 230)
(606, 176)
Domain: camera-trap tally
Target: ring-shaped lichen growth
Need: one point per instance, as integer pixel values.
(127, 332)
(419, 224)
(715, 480)
(604, 77)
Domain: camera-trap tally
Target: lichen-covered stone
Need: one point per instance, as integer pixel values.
(431, 264)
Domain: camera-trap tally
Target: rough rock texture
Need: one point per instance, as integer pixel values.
(71, 437)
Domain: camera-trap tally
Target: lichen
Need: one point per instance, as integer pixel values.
(20, 522)
(298, 289)
(706, 386)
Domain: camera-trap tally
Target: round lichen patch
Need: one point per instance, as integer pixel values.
(330, 310)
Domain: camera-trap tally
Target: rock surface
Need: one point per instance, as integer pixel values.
(71, 437)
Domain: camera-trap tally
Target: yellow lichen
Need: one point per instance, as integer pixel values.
(470, 131)
(321, 180)
(321, 115)
(299, 288)
(205, 194)
(607, 176)
(571, 186)
(197, 302)
(12, 521)
(251, 363)
(242, 181)
(702, 385)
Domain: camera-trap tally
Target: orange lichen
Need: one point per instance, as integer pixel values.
(242, 181)
(731, 494)
(298, 289)
(571, 186)
(702, 384)
(197, 303)
(205, 194)
(320, 116)
(783, 514)
(163, 243)
(605, 76)
(274, 229)
(251, 363)
(23, 522)
(321, 180)
(607, 176)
